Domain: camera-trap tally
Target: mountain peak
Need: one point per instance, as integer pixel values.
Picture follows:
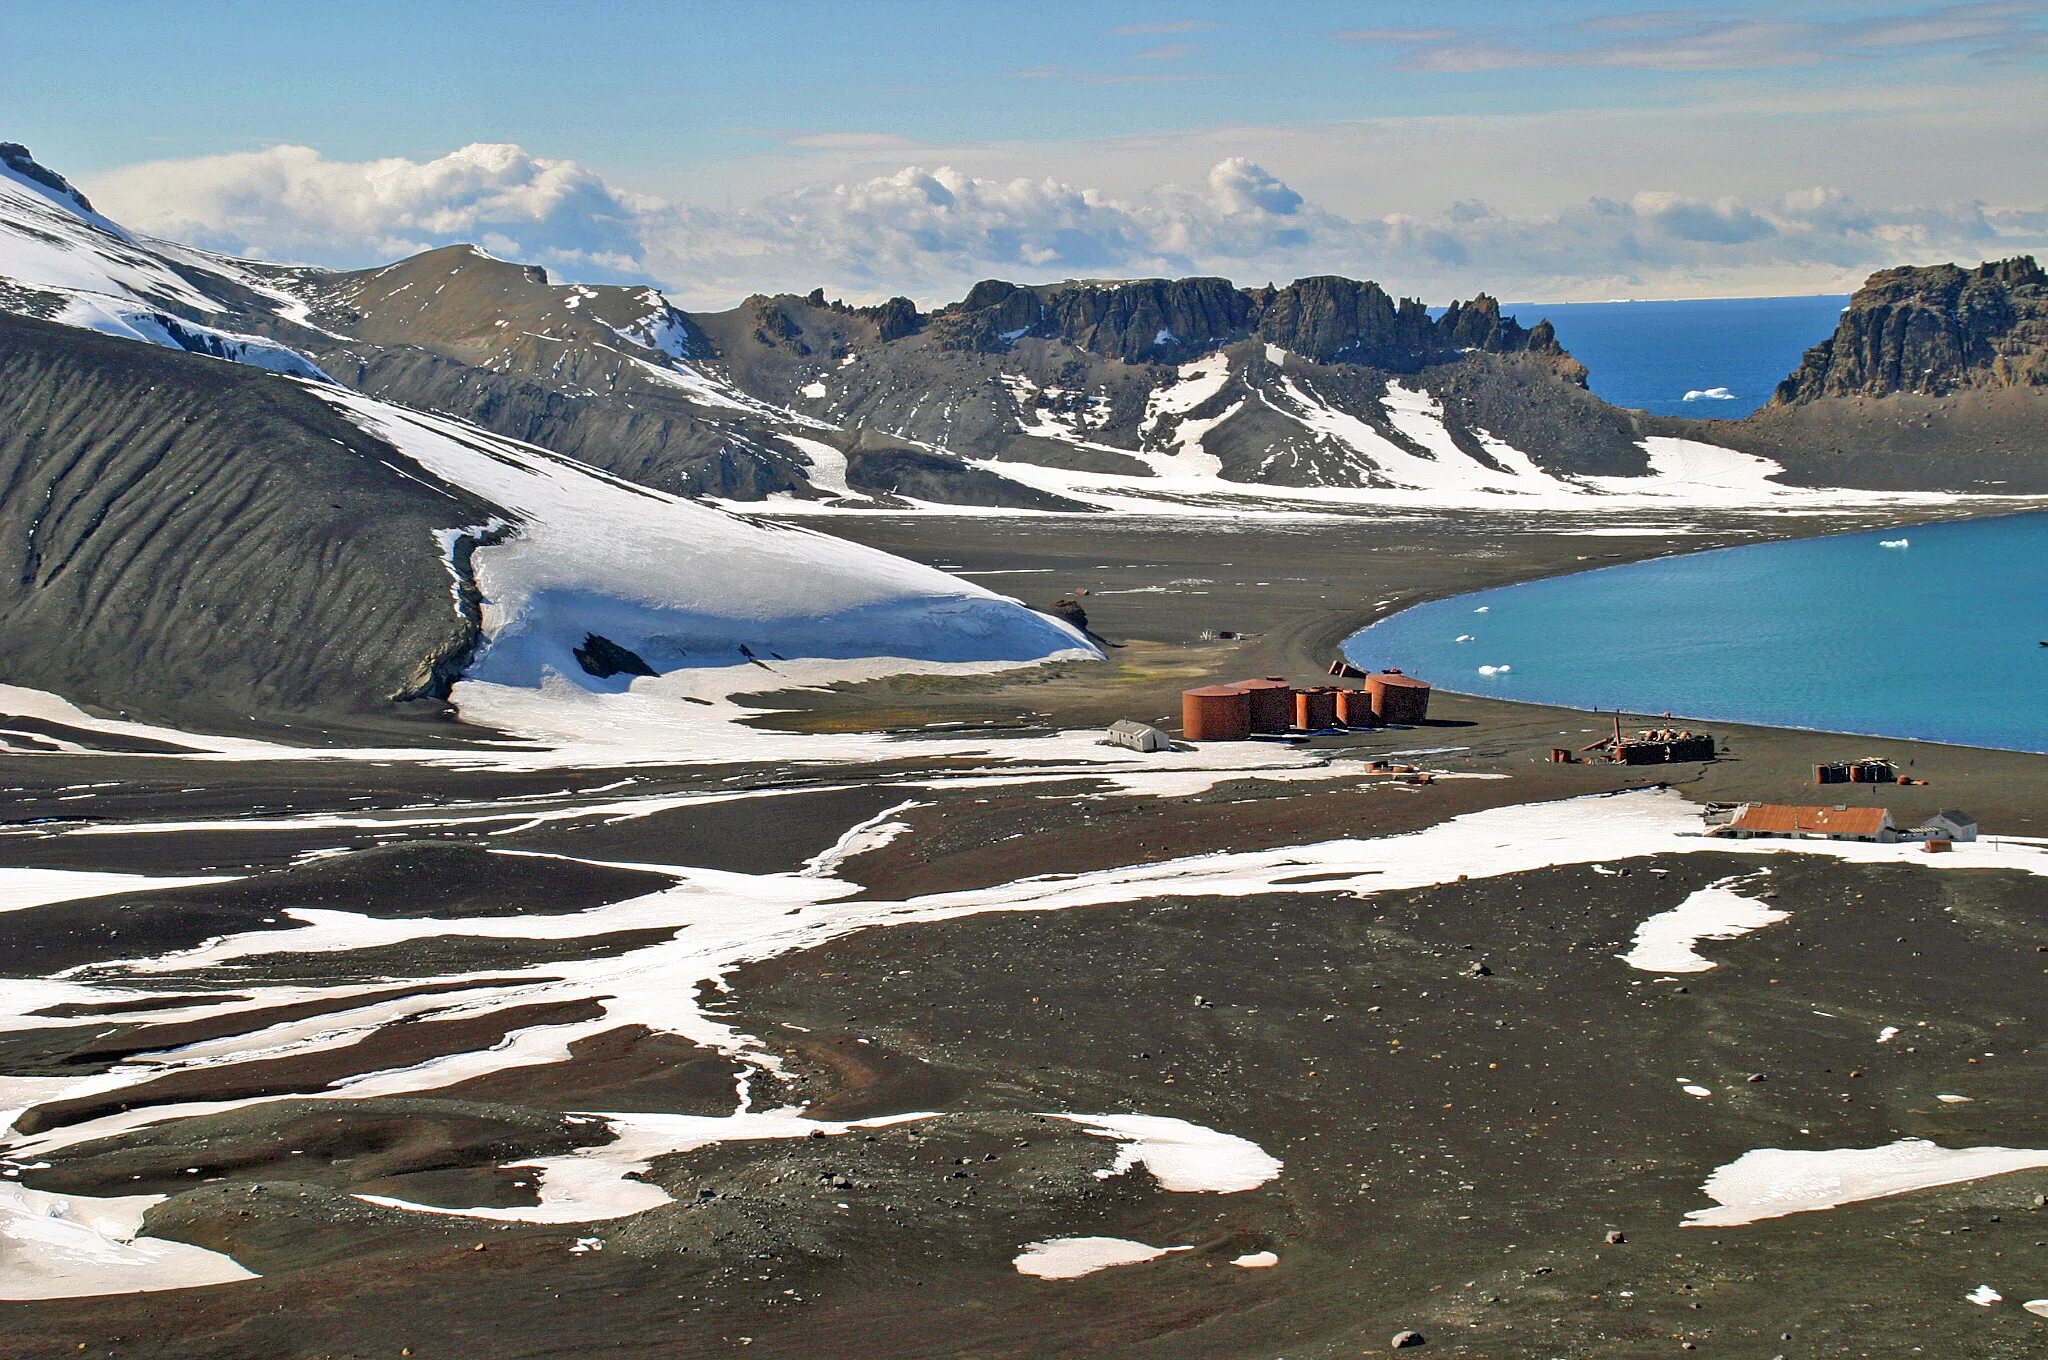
(16, 157)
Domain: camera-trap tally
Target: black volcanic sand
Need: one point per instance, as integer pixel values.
(1456, 1144)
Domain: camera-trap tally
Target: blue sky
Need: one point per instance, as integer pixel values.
(703, 139)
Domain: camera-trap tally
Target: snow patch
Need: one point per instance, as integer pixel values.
(79, 1246)
(1069, 1258)
(1181, 1156)
(1664, 943)
(1772, 1182)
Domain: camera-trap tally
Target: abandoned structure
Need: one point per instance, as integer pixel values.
(1137, 736)
(1785, 821)
(1215, 713)
(1868, 770)
(1269, 706)
(1397, 698)
(1272, 703)
(1649, 746)
(1315, 709)
(1947, 825)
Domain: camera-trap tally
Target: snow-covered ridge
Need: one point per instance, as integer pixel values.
(681, 585)
(132, 321)
(110, 281)
(52, 244)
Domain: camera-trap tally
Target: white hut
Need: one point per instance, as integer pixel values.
(1947, 825)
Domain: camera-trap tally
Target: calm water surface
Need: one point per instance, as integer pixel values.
(1730, 353)
(1931, 632)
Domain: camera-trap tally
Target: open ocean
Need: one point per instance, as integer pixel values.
(1931, 632)
(1649, 355)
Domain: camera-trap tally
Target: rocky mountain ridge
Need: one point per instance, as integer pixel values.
(1071, 396)
(1933, 331)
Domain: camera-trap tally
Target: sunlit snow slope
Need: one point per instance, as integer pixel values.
(678, 584)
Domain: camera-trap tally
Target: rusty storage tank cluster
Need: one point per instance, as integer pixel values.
(1215, 713)
(1269, 706)
(1315, 709)
(1397, 698)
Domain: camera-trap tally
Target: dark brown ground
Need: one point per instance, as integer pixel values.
(1456, 1146)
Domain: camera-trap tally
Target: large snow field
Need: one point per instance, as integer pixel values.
(683, 585)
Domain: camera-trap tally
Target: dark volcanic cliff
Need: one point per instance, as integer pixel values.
(1933, 331)
(1325, 319)
(1936, 379)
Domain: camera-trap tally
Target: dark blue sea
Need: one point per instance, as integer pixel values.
(1728, 353)
(1931, 632)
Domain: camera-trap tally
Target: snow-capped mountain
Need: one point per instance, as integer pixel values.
(1080, 396)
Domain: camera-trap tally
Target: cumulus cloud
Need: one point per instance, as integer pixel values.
(291, 203)
(930, 231)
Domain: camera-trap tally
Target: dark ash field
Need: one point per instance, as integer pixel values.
(417, 980)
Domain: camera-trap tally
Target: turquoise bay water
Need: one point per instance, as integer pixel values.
(1938, 639)
(1648, 355)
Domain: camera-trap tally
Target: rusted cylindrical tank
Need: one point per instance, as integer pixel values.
(1215, 713)
(1315, 709)
(1272, 703)
(1398, 698)
(1354, 708)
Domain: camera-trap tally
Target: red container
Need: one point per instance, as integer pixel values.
(1215, 713)
(1315, 709)
(1398, 698)
(1354, 708)
(1272, 703)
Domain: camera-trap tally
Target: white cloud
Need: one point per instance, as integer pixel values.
(291, 203)
(929, 232)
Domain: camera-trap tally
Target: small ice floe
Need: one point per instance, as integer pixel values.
(1181, 1156)
(1664, 943)
(814, 390)
(1895, 543)
(1772, 1182)
(585, 1245)
(1984, 1296)
(1954, 1100)
(1887, 1034)
(1605, 872)
(1256, 1260)
(1495, 670)
(1709, 394)
(1069, 1258)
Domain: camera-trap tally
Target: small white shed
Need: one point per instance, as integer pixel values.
(1138, 736)
(1948, 825)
